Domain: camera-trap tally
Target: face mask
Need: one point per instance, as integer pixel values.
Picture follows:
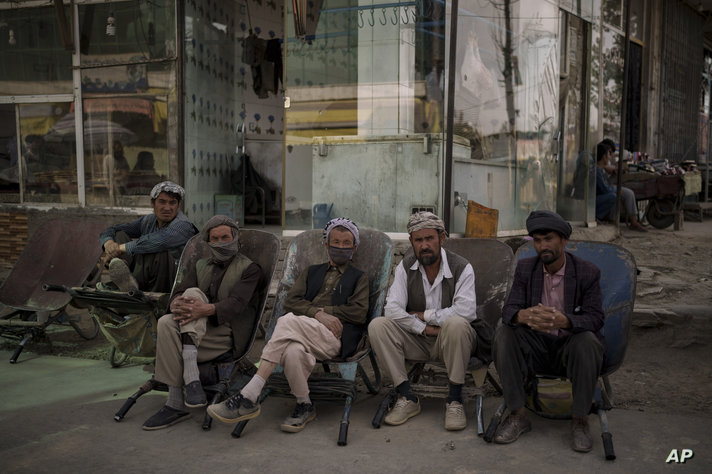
(340, 255)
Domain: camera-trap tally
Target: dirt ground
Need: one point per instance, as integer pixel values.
(667, 362)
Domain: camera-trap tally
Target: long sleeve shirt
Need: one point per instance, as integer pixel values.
(149, 238)
(239, 297)
(355, 311)
(464, 301)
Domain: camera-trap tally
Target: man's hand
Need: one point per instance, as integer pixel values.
(185, 310)
(112, 250)
(432, 330)
(543, 318)
(332, 323)
(418, 314)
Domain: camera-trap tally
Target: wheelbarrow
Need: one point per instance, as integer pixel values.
(664, 193)
(60, 251)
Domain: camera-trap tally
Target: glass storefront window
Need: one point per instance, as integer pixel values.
(612, 86)
(129, 31)
(32, 54)
(9, 169)
(48, 153)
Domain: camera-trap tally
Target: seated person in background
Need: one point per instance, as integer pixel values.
(606, 194)
(551, 325)
(148, 262)
(205, 309)
(429, 313)
(120, 162)
(328, 307)
(143, 175)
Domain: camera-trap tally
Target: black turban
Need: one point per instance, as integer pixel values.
(546, 221)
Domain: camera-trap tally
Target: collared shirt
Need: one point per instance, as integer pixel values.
(464, 302)
(355, 311)
(152, 239)
(552, 292)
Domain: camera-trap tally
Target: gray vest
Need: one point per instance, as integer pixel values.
(416, 292)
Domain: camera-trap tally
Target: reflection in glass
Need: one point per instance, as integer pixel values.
(49, 153)
(9, 169)
(33, 58)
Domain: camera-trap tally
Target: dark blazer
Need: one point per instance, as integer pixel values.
(582, 292)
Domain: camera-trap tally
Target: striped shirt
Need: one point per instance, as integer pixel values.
(148, 238)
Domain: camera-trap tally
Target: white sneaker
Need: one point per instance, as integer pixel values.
(402, 411)
(455, 418)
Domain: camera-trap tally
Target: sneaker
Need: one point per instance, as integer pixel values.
(580, 436)
(455, 419)
(106, 286)
(303, 413)
(165, 417)
(402, 411)
(121, 275)
(511, 428)
(234, 409)
(194, 395)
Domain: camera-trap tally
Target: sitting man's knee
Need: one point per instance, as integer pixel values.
(455, 323)
(586, 343)
(377, 325)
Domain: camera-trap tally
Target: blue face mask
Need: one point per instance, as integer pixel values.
(340, 255)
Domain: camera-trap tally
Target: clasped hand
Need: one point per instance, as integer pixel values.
(185, 309)
(542, 318)
(332, 323)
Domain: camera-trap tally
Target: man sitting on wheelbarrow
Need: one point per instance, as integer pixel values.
(143, 254)
(205, 308)
(329, 306)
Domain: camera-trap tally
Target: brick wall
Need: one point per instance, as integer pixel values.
(13, 237)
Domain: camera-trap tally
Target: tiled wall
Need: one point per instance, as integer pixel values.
(219, 97)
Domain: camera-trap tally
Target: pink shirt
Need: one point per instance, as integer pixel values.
(552, 294)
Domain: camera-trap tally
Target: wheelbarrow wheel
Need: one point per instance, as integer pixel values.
(87, 331)
(660, 213)
(117, 358)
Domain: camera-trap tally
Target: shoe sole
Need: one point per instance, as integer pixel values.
(199, 405)
(500, 441)
(456, 427)
(248, 416)
(177, 420)
(398, 423)
(297, 428)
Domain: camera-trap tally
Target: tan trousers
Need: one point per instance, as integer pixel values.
(296, 344)
(210, 340)
(394, 345)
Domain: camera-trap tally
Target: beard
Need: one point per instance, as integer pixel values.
(548, 256)
(429, 258)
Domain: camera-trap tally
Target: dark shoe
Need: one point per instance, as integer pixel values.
(234, 409)
(303, 413)
(194, 395)
(580, 437)
(165, 417)
(121, 275)
(511, 428)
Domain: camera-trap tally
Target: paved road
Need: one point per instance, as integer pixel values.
(56, 415)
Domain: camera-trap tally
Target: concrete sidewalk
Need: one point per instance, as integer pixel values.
(56, 415)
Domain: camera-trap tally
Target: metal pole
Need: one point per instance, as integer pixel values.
(452, 58)
(78, 109)
(624, 107)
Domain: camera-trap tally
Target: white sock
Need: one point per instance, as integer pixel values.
(175, 398)
(252, 390)
(306, 400)
(190, 364)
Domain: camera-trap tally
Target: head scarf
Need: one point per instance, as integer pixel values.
(167, 187)
(221, 251)
(425, 220)
(546, 221)
(343, 222)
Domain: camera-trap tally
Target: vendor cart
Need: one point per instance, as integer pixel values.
(664, 195)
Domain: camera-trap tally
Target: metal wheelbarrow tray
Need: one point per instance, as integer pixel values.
(61, 252)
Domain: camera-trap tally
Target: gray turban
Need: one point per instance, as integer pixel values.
(341, 222)
(425, 220)
(221, 251)
(547, 221)
(167, 187)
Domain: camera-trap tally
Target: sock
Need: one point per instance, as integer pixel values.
(252, 390)
(455, 393)
(306, 400)
(404, 390)
(190, 364)
(175, 398)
